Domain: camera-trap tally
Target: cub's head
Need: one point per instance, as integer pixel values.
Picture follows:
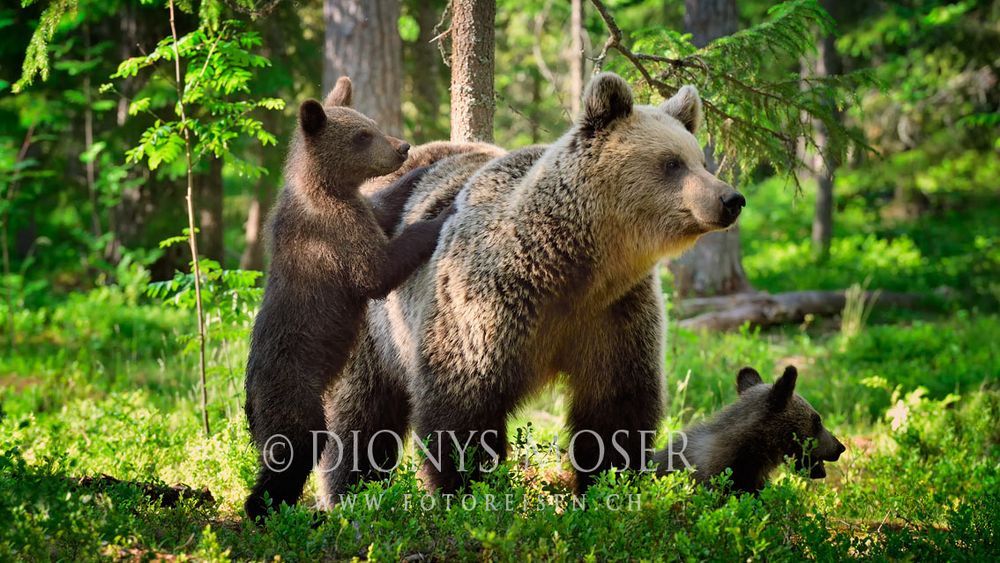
(342, 146)
(787, 422)
(650, 167)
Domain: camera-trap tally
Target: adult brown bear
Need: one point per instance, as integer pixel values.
(547, 267)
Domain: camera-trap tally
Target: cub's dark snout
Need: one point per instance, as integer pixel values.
(839, 449)
(404, 149)
(733, 203)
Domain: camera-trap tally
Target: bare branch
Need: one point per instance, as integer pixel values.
(439, 35)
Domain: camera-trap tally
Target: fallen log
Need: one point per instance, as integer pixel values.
(168, 495)
(762, 309)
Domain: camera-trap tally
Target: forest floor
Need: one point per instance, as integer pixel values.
(99, 383)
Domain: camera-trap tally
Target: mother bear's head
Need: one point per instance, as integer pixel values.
(649, 167)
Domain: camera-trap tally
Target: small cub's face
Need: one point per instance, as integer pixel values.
(346, 143)
(657, 180)
(789, 421)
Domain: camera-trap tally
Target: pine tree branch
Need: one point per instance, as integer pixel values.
(665, 90)
(754, 110)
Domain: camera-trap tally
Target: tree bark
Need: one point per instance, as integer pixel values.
(577, 62)
(714, 265)
(209, 195)
(472, 45)
(253, 236)
(362, 42)
(825, 63)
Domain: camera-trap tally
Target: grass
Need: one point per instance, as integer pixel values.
(99, 383)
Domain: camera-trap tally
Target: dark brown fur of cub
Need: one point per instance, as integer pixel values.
(754, 435)
(330, 256)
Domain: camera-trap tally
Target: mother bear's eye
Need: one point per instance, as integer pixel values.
(672, 164)
(362, 138)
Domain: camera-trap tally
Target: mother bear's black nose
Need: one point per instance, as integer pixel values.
(733, 202)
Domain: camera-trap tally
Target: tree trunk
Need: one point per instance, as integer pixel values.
(536, 105)
(472, 96)
(362, 42)
(209, 195)
(576, 57)
(715, 265)
(427, 79)
(825, 63)
(253, 257)
(260, 205)
(88, 142)
(822, 227)
(148, 212)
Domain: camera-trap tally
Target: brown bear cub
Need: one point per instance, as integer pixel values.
(330, 255)
(754, 435)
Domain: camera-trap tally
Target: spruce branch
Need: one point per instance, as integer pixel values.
(753, 103)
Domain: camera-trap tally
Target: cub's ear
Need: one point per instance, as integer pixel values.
(608, 97)
(341, 93)
(747, 378)
(685, 105)
(783, 389)
(312, 117)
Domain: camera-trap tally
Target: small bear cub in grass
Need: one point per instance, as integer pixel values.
(754, 435)
(330, 256)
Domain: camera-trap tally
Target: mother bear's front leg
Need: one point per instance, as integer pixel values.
(474, 375)
(616, 385)
(462, 418)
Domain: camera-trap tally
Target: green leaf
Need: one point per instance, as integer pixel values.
(409, 29)
(139, 105)
(91, 154)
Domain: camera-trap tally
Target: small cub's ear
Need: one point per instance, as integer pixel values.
(608, 97)
(341, 93)
(747, 378)
(685, 105)
(312, 117)
(783, 389)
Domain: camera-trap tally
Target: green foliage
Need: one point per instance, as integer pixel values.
(938, 122)
(219, 68)
(230, 298)
(951, 253)
(36, 59)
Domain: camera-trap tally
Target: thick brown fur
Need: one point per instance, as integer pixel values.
(364, 402)
(426, 155)
(548, 267)
(754, 435)
(330, 256)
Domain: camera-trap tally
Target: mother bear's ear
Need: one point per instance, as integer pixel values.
(685, 106)
(341, 93)
(608, 98)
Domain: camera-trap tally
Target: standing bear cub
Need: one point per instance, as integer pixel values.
(548, 267)
(330, 256)
(754, 435)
